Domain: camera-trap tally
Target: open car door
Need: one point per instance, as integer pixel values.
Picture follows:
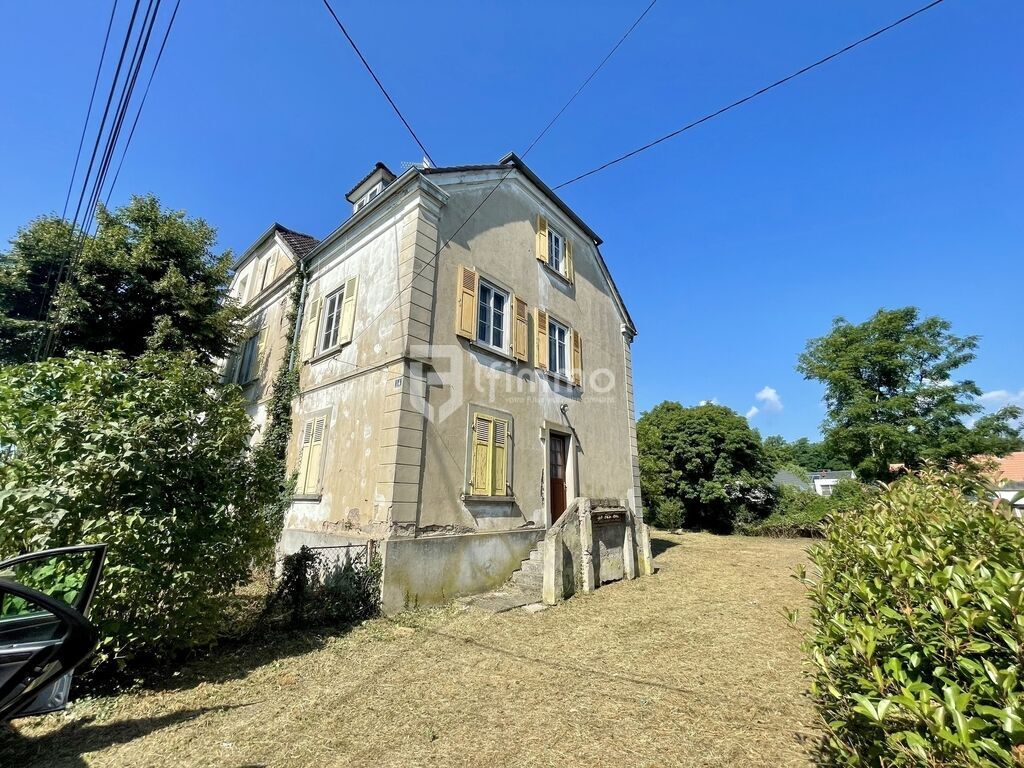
(44, 629)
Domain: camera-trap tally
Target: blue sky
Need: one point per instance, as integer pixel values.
(891, 176)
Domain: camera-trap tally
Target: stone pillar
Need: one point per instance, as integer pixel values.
(628, 552)
(551, 548)
(587, 546)
(646, 559)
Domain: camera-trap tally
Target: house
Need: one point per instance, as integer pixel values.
(1008, 478)
(465, 404)
(797, 480)
(825, 481)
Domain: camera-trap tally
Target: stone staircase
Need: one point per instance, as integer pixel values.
(523, 589)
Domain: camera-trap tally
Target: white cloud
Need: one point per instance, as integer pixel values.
(997, 398)
(770, 399)
(754, 410)
(712, 401)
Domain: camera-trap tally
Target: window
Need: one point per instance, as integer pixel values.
(557, 335)
(489, 439)
(310, 463)
(491, 313)
(241, 289)
(556, 251)
(247, 359)
(330, 324)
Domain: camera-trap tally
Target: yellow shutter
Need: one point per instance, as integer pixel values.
(310, 328)
(303, 458)
(316, 448)
(570, 272)
(540, 335)
(577, 358)
(520, 330)
(480, 483)
(348, 311)
(465, 312)
(500, 457)
(542, 239)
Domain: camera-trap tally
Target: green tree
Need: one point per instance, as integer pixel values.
(891, 396)
(148, 280)
(702, 467)
(152, 457)
(816, 456)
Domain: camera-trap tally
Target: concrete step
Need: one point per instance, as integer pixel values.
(532, 566)
(532, 581)
(536, 555)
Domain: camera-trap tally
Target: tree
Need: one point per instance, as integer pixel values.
(702, 467)
(891, 397)
(816, 456)
(152, 457)
(148, 280)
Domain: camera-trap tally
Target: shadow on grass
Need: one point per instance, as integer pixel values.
(660, 544)
(64, 747)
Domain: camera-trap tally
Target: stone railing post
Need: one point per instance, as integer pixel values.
(628, 552)
(554, 589)
(587, 546)
(646, 559)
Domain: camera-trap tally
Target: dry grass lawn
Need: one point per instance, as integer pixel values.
(696, 666)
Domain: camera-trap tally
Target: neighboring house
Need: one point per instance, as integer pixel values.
(459, 406)
(825, 481)
(1008, 475)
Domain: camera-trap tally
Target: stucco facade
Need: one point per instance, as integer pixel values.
(429, 418)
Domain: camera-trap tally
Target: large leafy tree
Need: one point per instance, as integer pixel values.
(892, 397)
(702, 467)
(153, 458)
(803, 453)
(148, 280)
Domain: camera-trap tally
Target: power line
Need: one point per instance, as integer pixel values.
(142, 102)
(752, 96)
(88, 112)
(590, 77)
(507, 173)
(377, 81)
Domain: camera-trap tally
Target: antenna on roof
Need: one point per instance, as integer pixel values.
(424, 163)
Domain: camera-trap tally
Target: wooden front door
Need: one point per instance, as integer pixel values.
(557, 455)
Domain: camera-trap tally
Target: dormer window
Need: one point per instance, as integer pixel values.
(369, 188)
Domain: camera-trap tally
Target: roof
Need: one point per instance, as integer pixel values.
(378, 166)
(512, 159)
(301, 244)
(786, 477)
(837, 474)
(1011, 467)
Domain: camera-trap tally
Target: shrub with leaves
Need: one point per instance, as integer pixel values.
(803, 513)
(315, 591)
(918, 628)
(152, 457)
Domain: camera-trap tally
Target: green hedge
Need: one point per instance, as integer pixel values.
(917, 635)
(803, 513)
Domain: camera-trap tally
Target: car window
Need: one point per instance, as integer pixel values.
(60, 576)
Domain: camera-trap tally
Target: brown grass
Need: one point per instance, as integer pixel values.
(696, 666)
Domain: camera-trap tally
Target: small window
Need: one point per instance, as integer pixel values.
(248, 356)
(268, 273)
(557, 337)
(489, 437)
(491, 316)
(241, 289)
(330, 322)
(556, 251)
(311, 449)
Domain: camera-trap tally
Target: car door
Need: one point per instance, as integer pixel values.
(44, 629)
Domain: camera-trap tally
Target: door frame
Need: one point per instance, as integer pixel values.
(571, 466)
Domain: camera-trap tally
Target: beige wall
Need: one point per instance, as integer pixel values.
(499, 242)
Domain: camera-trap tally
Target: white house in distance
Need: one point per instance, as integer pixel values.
(466, 399)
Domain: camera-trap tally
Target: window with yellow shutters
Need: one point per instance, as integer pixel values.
(489, 473)
(310, 459)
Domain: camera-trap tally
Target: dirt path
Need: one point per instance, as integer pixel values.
(695, 666)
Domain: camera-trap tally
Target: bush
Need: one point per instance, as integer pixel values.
(316, 592)
(803, 513)
(152, 457)
(918, 628)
